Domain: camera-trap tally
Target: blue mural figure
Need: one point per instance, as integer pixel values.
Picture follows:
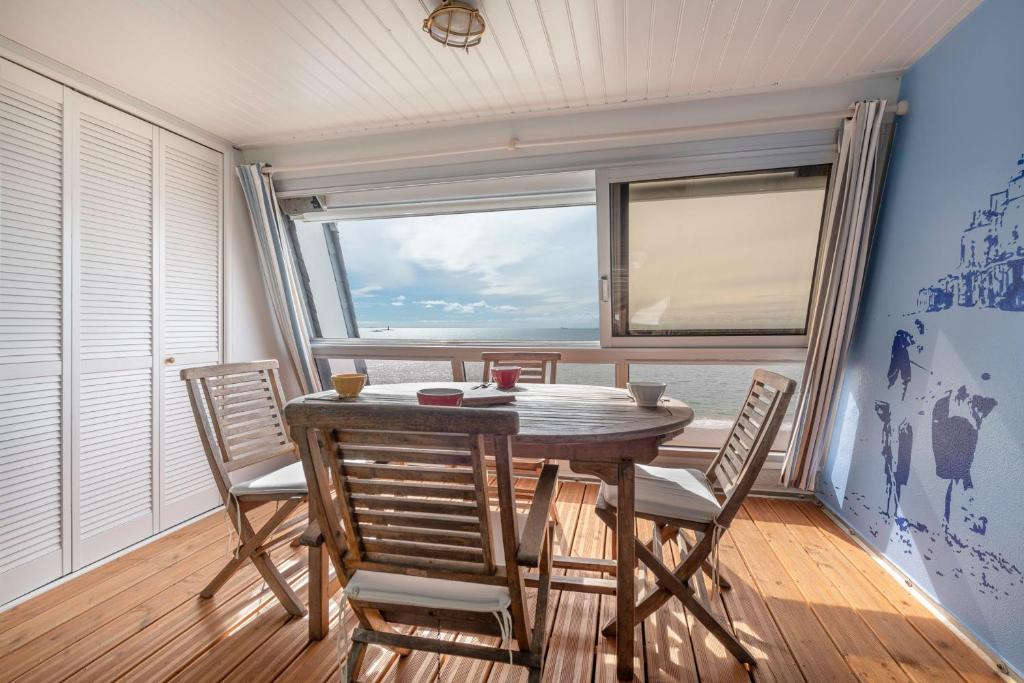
(897, 470)
(904, 448)
(955, 438)
(899, 360)
(884, 413)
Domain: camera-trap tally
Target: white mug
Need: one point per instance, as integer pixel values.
(646, 394)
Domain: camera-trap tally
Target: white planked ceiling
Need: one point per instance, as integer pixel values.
(261, 71)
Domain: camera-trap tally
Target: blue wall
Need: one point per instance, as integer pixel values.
(927, 457)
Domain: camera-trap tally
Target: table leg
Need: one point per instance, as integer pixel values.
(625, 596)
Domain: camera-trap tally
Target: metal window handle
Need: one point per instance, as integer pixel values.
(169, 360)
(605, 288)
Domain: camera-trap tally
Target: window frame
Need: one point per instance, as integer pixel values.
(734, 162)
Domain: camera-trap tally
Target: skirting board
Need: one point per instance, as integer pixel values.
(1000, 666)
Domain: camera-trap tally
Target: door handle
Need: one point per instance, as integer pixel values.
(169, 360)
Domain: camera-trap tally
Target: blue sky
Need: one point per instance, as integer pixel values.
(527, 268)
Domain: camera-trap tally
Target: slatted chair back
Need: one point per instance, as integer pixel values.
(738, 463)
(411, 488)
(539, 367)
(240, 406)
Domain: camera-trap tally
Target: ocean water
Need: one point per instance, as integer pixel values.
(715, 392)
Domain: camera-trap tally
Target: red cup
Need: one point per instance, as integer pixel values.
(506, 377)
(439, 397)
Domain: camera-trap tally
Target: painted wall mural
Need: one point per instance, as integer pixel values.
(991, 269)
(989, 275)
(926, 460)
(957, 416)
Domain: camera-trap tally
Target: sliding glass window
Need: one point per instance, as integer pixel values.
(715, 255)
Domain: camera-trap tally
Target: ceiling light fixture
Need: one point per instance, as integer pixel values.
(455, 24)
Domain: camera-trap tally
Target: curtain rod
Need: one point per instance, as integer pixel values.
(514, 144)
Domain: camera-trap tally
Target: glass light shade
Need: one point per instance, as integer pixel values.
(455, 24)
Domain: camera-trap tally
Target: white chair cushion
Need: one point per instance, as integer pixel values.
(288, 480)
(670, 492)
(421, 591)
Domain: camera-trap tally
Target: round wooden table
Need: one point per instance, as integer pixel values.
(597, 431)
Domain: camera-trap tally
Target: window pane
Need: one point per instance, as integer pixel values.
(716, 393)
(399, 371)
(595, 374)
(528, 274)
(727, 254)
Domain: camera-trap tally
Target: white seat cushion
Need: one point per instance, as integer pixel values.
(670, 492)
(288, 480)
(420, 591)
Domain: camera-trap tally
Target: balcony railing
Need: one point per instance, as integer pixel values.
(584, 363)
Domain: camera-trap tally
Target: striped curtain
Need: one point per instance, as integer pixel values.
(851, 210)
(279, 277)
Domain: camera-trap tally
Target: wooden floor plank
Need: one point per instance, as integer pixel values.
(217, 663)
(277, 653)
(605, 670)
(809, 603)
(569, 503)
(918, 659)
(814, 651)
(102, 581)
(753, 622)
(133, 572)
(668, 651)
(320, 659)
(143, 644)
(714, 662)
(220, 623)
(81, 626)
(859, 645)
(955, 651)
(575, 620)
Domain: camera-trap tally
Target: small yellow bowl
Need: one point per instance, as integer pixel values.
(349, 384)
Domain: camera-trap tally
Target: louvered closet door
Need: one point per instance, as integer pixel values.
(113, 213)
(31, 331)
(190, 220)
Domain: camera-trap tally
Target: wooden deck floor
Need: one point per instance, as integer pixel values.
(806, 600)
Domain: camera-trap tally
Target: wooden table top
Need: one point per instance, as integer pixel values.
(556, 413)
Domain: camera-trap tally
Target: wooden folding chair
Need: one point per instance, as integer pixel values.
(539, 367)
(676, 499)
(411, 533)
(238, 410)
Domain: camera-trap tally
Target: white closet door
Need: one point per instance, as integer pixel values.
(32, 354)
(190, 222)
(113, 505)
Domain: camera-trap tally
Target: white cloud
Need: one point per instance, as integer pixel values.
(398, 300)
(366, 291)
(457, 307)
(539, 264)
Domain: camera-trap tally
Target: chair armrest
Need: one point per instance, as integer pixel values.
(537, 520)
(311, 536)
